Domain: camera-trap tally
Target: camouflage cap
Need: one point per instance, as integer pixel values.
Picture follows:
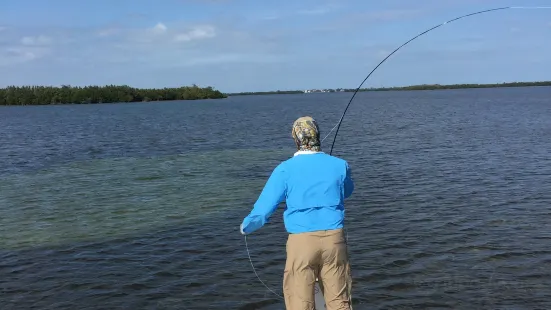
(306, 134)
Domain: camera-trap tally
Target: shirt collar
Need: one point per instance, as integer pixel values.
(306, 152)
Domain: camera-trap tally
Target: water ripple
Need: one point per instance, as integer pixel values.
(138, 206)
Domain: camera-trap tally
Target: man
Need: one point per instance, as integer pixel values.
(314, 186)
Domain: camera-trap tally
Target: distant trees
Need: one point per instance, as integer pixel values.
(277, 92)
(412, 87)
(460, 86)
(45, 95)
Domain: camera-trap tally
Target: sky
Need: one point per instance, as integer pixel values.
(262, 45)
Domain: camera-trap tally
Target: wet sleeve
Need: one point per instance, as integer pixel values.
(272, 195)
(348, 182)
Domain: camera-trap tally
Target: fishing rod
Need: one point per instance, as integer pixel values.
(338, 125)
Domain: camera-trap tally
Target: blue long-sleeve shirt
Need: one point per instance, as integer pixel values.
(314, 186)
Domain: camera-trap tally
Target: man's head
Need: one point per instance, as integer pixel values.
(306, 134)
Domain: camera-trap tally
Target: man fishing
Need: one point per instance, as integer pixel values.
(314, 186)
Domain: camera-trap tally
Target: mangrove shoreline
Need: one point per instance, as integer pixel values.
(50, 95)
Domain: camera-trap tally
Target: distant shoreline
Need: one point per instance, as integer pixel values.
(401, 88)
(50, 95)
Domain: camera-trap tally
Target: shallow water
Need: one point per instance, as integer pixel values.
(137, 206)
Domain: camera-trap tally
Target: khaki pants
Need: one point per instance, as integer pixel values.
(322, 255)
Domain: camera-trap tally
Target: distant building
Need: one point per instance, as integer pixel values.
(327, 90)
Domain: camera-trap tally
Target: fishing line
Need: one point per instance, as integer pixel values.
(338, 125)
(250, 260)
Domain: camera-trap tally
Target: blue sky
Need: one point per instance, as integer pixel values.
(254, 45)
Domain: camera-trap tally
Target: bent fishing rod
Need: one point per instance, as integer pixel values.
(338, 125)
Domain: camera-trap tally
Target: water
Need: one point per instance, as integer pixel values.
(138, 206)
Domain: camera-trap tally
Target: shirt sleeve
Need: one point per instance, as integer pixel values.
(272, 195)
(348, 182)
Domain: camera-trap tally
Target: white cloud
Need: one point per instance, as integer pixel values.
(159, 28)
(19, 55)
(198, 32)
(157, 46)
(38, 40)
(155, 34)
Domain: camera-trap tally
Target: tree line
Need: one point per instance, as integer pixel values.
(412, 87)
(459, 86)
(45, 95)
(277, 92)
